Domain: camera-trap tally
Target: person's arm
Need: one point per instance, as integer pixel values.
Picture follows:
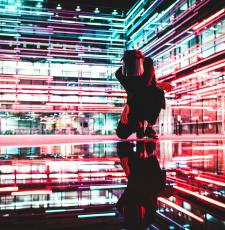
(121, 78)
(149, 72)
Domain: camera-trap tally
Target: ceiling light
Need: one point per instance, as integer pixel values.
(78, 8)
(58, 7)
(97, 10)
(114, 12)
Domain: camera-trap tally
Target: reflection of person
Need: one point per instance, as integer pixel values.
(138, 203)
(145, 97)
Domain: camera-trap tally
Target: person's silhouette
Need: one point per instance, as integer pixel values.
(145, 181)
(145, 97)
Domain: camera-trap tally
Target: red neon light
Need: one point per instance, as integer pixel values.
(210, 181)
(209, 19)
(32, 192)
(171, 204)
(185, 158)
(200, 70)
(220, 64)
(209, 200)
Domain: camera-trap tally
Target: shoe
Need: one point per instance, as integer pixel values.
(151, 133)
(140, 131)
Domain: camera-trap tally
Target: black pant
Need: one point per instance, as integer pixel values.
(145, 105)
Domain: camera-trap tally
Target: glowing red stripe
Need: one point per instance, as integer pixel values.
(171, 204)
(220, 64)
(210, 181)
(206, 69)
(204, 22)
(184, 158)
(32, 192)
(209, 200)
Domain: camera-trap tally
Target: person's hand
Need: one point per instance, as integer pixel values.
(165, 86)
(124, 115)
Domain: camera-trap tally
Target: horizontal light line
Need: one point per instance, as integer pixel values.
(209, 200)
(210, 181)
(8, 189)
(63, 210)
(107, 187)
(32, 192)
(97, 215)
(101, 18)
(171, 204)
(204, 22)
(102, 39)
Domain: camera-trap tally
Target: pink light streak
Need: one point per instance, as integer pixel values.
(207, 199)
(209, 19)
(186, 158)
(171, 204)
(210, 181)
(8, 189)
(32, 192)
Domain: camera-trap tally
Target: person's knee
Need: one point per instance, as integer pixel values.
(123, 131)
(122, 134)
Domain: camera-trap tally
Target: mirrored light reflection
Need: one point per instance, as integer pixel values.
(85, 181)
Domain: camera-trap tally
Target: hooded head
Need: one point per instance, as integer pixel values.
(133, 63)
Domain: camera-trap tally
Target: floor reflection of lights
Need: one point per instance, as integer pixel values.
(85, 181)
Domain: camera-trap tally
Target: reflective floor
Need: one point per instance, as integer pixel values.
(70, 186)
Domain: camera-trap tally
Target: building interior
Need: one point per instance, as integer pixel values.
(61, 164)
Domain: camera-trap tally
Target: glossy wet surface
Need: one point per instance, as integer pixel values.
(77, 186)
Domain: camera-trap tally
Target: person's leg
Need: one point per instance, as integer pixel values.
(156, 99)
(124, 131)
(150, 132)
(140, 129)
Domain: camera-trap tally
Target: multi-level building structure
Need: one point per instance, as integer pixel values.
(57, 66)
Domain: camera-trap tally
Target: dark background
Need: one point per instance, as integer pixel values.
(88, 5)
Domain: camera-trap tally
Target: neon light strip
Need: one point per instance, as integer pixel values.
(153, 50)
(209, 200)
(9, 80)
(32, 192)
(170, 220)
(137, 15)
(11, 35)
(96, 215)
(201, 71)
(184, 158)
(171, 204)
(97, 56)
(103, 39)
(8, 189)
(191, 107)
(150, 20)
(211, 65)
(63, 210)
(81, 104)
(210, 181)
(107, 187)
(88, 23)
(130, 13)
(204, 22)
(169, 33)
(101, 18)
(64, 110)
(153, 17)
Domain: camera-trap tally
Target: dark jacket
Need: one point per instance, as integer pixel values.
(142, 92)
